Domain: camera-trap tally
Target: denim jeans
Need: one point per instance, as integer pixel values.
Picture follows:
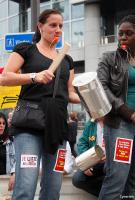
(118, 174)
(91, 184)
(26, 177)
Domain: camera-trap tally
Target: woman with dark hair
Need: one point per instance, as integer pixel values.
(7, 153)
(31, 144)
(4, 131)
(116, 72)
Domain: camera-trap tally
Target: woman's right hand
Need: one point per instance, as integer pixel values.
(44, 76)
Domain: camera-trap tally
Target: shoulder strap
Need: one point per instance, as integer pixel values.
(58, 76)
(56, 81)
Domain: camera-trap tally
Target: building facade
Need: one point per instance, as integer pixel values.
(89, 25)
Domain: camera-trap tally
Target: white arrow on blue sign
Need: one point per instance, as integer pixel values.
(11, 40)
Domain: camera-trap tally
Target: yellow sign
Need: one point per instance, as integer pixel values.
(9, 96)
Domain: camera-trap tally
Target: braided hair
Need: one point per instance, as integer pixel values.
(42, 19)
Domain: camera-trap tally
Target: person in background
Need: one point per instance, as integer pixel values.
(10, 115)
(91, 179)
(34, 60)
(7, 152)
(72, 132)
(116, 71)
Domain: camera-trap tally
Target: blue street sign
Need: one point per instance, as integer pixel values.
(11, 40)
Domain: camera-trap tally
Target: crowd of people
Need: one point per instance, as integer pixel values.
(26, 147)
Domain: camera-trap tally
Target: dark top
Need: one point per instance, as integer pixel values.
(2, 158)
(113, 74)
(36, 62)
(55, 109)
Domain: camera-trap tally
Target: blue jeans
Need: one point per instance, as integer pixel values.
(118, 174)
(91, 184)
(26, 177)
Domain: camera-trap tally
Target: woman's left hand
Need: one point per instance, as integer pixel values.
(73, 97)
(88, 172)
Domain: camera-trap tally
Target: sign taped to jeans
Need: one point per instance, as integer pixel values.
(29, 161)
(60, 160)
(123, 150)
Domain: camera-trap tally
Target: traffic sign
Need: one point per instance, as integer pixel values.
(11, 40)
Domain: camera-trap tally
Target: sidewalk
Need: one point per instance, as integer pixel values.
(68, 191)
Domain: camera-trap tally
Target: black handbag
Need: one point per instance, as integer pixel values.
(28, 114)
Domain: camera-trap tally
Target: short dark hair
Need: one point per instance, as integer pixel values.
(42, 19)
(128, 18)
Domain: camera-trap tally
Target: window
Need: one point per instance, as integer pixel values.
(3, 28)
(66, 10)
(59, 6)
(13, 24)
(78, 34)
(79, 67)
(44, 6)
(29, 18)
(77, 11)
(3, 9)
(1, 46)
(13, 7)
(66, 32)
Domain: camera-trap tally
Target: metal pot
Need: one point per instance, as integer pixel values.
(92, 95)
(89, 158)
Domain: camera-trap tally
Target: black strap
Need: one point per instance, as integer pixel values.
(58, 76)
(56, 81)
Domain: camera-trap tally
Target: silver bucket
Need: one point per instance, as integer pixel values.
(89, 158)
(92, 95)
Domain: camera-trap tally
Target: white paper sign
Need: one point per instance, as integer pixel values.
(28, 161)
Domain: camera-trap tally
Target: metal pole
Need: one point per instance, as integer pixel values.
(35, 10)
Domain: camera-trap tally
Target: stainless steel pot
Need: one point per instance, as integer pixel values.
(89, 158)
(92, 94)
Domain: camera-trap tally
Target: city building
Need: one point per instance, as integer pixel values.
(89, 25)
